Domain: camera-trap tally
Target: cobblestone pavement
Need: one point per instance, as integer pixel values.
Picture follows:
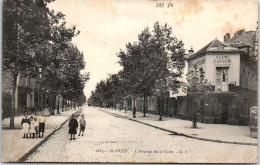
(113, 139)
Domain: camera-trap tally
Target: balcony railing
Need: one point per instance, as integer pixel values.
(222, 86)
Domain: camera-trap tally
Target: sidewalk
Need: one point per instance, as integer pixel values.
(14, 146)
(210, 132)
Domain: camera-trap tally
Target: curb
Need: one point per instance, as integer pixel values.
(180, 134)
(25, 156)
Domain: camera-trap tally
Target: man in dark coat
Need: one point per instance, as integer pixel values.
(73, 126)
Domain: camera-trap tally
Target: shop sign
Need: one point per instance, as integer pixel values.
(222, 59)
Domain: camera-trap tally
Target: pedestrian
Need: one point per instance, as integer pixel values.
(82, 123)
(25, 124)
(73, 126)
(36, 126)
(41, 125)
(32, 128)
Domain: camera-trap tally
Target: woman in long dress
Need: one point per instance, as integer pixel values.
(73, 125)
(25, 124)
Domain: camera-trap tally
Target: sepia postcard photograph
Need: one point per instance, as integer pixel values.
(129, 81)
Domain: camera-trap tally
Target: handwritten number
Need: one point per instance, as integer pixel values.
(161, 5)
(170, 5)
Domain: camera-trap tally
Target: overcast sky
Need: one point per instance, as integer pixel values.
(107, 25)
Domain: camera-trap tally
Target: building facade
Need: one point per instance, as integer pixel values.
(231, 69)
(222, 65)
(26, 96)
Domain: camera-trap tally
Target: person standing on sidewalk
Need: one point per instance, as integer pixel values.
(82, 123)
(41, 125)
(73, 125)
(36, 126)
(26, 124)
(32, 128)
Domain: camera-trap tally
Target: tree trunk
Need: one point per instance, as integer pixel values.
(58, 106)
(126, 106)
(166, 105)
(12, 112)
(53, 105)
(160, 115)
(144, 104)
(194, 115)
(161, 109)
(62, 106)
(134, 109)
(14, 75)
(41, 100)
(45, 100)
(67, 104)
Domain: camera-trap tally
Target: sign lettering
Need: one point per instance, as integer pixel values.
(222, 59)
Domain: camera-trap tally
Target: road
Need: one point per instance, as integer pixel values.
(113, 139)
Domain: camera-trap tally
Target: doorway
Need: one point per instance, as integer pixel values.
(221, 79)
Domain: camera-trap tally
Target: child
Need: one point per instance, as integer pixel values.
(32, 128)
(73, 125)
(41, 125)
(82, 123)
(25, 123)
(36, 126)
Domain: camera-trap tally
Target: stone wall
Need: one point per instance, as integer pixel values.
(219, 108)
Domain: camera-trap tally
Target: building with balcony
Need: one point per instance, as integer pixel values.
(223, 65)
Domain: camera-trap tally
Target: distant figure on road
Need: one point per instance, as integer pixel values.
(46, 111)
(73, 125)
(82, 123)
(26, 124)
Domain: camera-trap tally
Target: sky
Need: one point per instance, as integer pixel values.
(106, 26)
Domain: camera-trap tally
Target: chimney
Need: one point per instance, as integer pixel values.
(191, 52)
(226, 37)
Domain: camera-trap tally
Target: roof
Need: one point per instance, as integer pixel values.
(216, 46)
(239, 45)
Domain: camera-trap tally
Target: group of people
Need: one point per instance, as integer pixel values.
(73, 126)
(33, 126)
